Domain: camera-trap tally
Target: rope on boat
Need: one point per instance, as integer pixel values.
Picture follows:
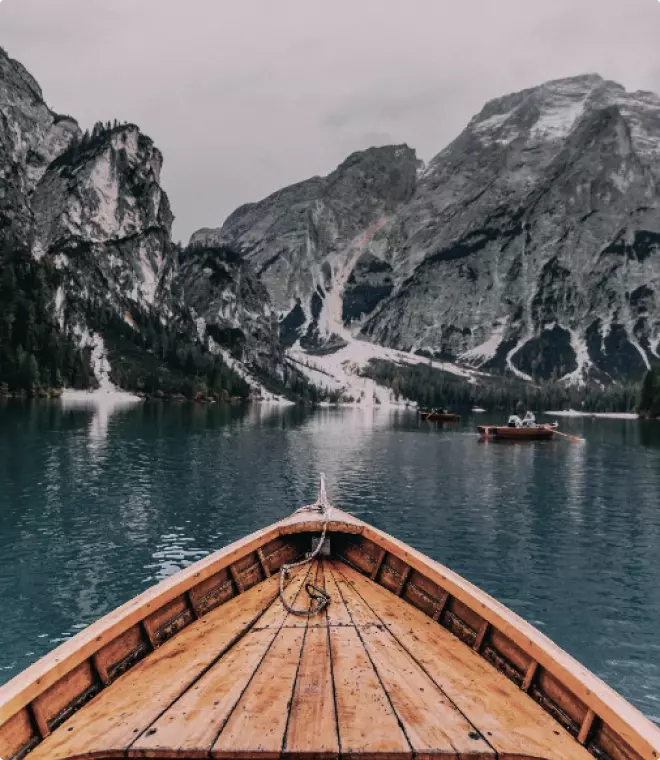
(318, 595)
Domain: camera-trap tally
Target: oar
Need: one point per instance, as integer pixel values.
(575, 438)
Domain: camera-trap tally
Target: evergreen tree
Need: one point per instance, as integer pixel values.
(649, 399)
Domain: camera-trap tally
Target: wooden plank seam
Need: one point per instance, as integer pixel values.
(279, 629)
(191, 605)
(377, 674)
(40, 719)
(481, 635)
(146, 630)
(249, 625)
(237, 579)
(101, 670)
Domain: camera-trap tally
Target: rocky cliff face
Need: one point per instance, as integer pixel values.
(305, 241)
(229, 306)
(31, 136)
(102, 216)
(530, 245)
(532, 241)
(91, 209)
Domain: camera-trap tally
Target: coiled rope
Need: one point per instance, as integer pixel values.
(319, 596)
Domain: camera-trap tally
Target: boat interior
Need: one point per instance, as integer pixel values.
(406, 660)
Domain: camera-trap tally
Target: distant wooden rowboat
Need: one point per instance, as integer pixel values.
(435, 416)
(407, 660)
(538, 432)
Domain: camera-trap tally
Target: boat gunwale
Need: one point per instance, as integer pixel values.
(621, 716)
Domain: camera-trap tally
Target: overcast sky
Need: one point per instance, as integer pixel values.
(246, 96)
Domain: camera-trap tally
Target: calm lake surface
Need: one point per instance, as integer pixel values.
(95, 506)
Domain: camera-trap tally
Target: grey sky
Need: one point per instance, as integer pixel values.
(246, 96)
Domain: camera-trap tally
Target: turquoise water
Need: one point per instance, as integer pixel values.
(96, 506)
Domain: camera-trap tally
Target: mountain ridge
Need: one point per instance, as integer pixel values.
(503, 256)
(86, 246)
(527, 247)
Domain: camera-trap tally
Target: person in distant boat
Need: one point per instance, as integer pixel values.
(514, 421)
(529, 420)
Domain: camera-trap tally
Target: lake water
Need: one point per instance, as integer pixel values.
(96, 506)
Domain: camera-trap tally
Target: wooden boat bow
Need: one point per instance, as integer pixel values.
(408, 658)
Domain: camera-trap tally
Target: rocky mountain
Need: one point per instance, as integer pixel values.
(307, 241)
(532, 241)
(31, 136)
(529, 245)
(90, 213)
(102, 217)
(230, 306)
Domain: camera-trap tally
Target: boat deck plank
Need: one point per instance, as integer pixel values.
(312, 728)
(432, 723)
(370, 677)
(513, 724)
(257, 725)
(337, 614)
(367, 724)
(116, 717)
(194, 722)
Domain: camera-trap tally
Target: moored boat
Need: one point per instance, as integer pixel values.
(507, 432)
(439, 415)
(319, 636)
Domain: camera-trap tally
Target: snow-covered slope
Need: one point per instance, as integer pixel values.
(342, 370)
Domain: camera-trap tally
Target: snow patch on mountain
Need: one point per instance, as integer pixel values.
(149, 277)
(579, 375)
(59, 306)
(488, 349)
(258, 390)
(107, 394)
(509, 360)
(341, 370)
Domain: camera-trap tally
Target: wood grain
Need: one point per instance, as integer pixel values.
(312, 726)
(432, 723)
(511, 722)
(337, 614)
(367, 724)
(194, 721)
(119, 714)
(258, 723)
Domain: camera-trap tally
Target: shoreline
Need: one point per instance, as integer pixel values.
(598, 415)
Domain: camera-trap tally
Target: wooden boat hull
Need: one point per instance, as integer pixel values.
(540, 432)
(409, 658)
(440, 417)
